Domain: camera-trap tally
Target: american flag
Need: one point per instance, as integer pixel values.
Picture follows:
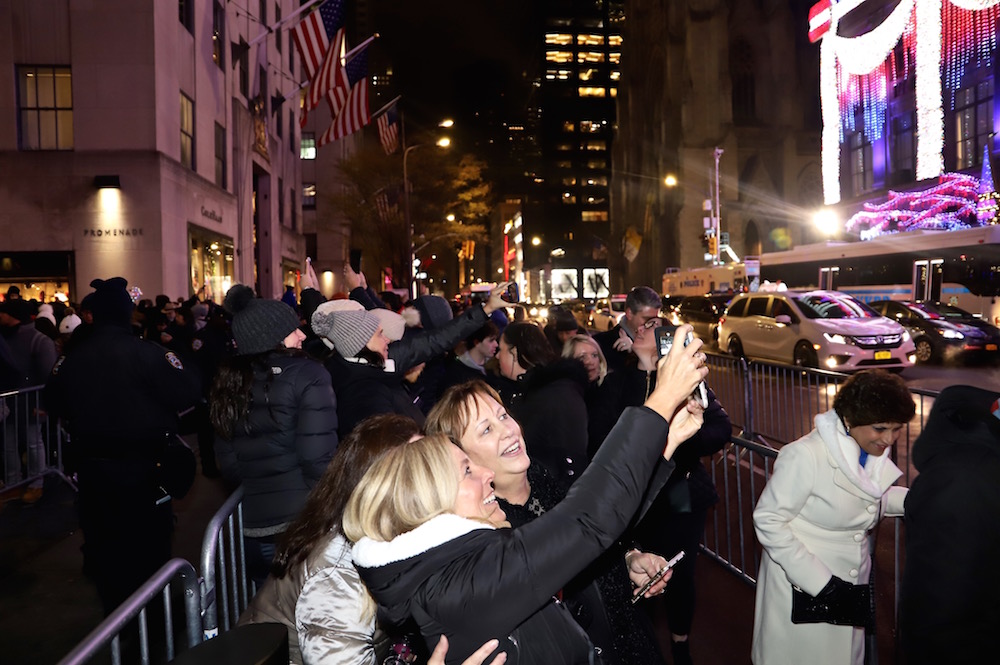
(387, 203)
(315, 34)
(354, 114)
(329, 77)
(388, 130)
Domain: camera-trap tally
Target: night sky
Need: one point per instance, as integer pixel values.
(452, 57)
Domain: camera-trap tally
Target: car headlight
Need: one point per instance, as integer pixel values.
(906, 335)
(533, 311)
(951, 334)
(543, 312)
(836, 339)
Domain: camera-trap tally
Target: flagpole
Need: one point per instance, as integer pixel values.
(386, 107)
(406, 208)
(360, 47)
(268, 29)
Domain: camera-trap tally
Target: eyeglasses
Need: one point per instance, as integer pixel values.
(652, 323)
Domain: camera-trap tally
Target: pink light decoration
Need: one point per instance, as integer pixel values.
(951, 204)
(968, 37)
(870, 91)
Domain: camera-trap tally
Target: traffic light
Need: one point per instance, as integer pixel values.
(713, 245)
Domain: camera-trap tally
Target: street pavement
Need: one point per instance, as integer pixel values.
(47, 606)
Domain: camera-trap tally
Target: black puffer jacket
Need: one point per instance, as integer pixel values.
(548, 403)
(365, 390)
(280, 451)
(464, 579)
(948, 600)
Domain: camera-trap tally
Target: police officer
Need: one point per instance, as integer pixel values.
(119, 396)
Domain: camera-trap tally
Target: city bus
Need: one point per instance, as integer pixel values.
(961, 268)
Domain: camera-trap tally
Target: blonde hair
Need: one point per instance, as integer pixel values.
(570, 346)
(456, 409)
(410, 485)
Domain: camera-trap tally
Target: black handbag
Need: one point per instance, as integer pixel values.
(840, 603)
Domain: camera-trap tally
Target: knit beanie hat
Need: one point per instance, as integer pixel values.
(69, 323)
(259, 325)
(393, 324)
(110, 302)
(434, 311)
(345, 324)
(45, 312)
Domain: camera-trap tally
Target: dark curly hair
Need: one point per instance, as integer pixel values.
(874, 396)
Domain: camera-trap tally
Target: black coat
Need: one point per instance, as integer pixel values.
(598, 598)
(473, 583)
(365, 390)
(116, 389)
(948, 598)
(280, 451)
(547, 401)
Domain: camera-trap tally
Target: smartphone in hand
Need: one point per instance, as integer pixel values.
(664, 342)
(512, 294)
(656, 578)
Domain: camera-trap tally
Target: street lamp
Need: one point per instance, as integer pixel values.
(670, 180)
(443, 143)
(826, 221)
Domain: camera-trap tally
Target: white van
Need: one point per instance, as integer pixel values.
(825, 329)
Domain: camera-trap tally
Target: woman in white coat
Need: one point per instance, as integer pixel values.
(827, 493)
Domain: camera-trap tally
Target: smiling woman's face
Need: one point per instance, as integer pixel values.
(877, 438)
(475, 498)
(493, 439)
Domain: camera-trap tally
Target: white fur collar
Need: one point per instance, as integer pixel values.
(368, 553)
(879, 471)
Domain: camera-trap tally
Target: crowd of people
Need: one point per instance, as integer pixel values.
(393, 507)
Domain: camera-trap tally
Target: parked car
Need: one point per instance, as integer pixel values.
(941, 332)
(703, 313)
(607, 312)
(825, 329)
(580, 309)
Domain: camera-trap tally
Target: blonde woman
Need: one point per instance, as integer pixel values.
(425, 521)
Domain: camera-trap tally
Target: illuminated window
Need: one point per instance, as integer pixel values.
(220, 155)
(557, 74)
(564, 146)
(593, 145)
(569, 182)
(614, 40)
(219, 35)
(45, 105)
(560, 57)
(590, 56)
(613, 92)
(594, 216)
(973, 123)
(616, 75)
(590, 92)
(308, 196)
(187, 131)
(591, 126)
(569, 126)
(568, 198)
(307, 146)
(597, 164)
(903, 147)
(860, 162)
(558, 38)
(590, 40)
(563, 164)
(597, 181)
(596, 200)
(588, 74)
(614, 58)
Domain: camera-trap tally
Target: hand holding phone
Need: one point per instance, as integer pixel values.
(664, 342)
(512, 294)
(656, 578)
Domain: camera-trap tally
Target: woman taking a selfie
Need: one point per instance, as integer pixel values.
(425, 518)
(826, 495)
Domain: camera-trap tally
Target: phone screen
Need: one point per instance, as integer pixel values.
(355, 260)
(512, 294)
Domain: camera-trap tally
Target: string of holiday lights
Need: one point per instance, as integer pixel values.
(969, 37)
(957, 201)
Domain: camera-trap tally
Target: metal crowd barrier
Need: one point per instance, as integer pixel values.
(225, 583)
(740, 472)
(108, 632)
(32, 442)
(773, 404)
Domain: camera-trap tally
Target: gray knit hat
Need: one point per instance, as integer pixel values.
(258, 325)
(346, 324)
